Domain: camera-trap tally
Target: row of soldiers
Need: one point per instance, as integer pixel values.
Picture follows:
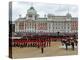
(69, 42)
(26, 43)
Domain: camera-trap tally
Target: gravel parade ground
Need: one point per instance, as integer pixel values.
(54, 50)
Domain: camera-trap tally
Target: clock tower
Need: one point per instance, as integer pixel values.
(31, 14)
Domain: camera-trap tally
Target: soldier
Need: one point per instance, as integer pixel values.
(63, 41)
(72, 44)
(42, 50)
(76, 42)
(66, 44)
(49, 42)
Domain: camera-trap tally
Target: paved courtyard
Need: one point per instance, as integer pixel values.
(54, 50)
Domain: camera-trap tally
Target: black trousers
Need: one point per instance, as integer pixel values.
(41, 50)
(66, 45)
(72, 46)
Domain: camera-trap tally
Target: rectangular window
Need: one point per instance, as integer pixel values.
(30, 16)
(21, 25)
(68, 27)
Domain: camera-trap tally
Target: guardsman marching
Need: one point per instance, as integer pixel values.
(66, 44)
(72, 44)
(42, 50)
(76, 42)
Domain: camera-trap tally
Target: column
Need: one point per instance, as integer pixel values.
(15, 27)
(49, 27)
(35, 27)
(18, 27)
(24, 26)
(31, 27)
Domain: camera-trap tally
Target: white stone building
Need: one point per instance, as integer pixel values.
(48, 24)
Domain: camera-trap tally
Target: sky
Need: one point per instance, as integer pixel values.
(20, 8)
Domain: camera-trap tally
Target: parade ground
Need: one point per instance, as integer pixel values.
(55, 49)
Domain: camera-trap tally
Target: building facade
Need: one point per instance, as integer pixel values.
(47, 24)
